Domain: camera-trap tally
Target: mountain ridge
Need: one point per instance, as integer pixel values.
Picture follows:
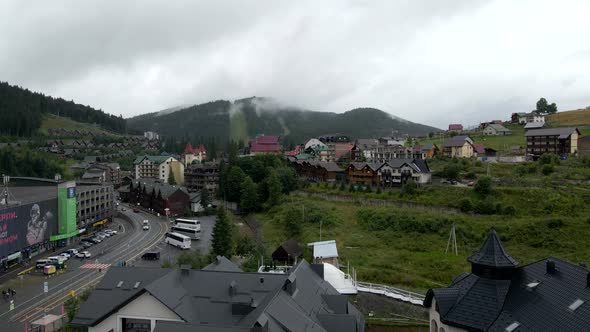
(245, 118)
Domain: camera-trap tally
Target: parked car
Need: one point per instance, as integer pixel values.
(83, 254)
(146, 227)
(136, 210)
(72, 252)
(105, 234)
(86, 244)
(110, 232)
(95, 240)
(145, 222)
(123, 209)
(100, 236)
(41, 263)
(65, 255)
(151, 255)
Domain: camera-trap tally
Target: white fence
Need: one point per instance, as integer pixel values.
(392, 292)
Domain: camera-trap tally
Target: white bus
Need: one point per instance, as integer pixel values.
(194, 234)
(178, 240)
(188, 223)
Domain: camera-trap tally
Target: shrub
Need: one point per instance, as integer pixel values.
(547, 169)
(245, 245)
(555, 223)
(466, 205)
(520, 170)
(532, 168)
(379, 190)
(478, 163)
(351, 188)
(470, 175)
(334, 186)
(483, 186)
(409, 188)
(509, 210)
(342, 187)
(549, 159)
(368, 189)
(485, 206)
(452, 171)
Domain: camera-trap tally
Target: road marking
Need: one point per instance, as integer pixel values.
(95, 266)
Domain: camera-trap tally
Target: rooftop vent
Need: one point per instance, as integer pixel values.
(136, 284)
(577, 303)
(120, 284)
(233, 288)
(512, 327)
(551, 267)
(531, 286)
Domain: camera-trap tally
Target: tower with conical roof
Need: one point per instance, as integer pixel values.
(492, 261)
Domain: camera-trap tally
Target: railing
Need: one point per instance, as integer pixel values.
(392, 292)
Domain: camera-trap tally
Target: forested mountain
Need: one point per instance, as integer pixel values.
(22, 112)
(246, 118)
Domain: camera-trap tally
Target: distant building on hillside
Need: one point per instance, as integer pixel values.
(190, 154)
(496, 130)
(455, 127)
(560, 141)
(458, 147)
(524, 118)
(535, 125)
(152, 136)
(152, 167)
(501, 295)
(159, 196)
(202, 176)
(265, 144)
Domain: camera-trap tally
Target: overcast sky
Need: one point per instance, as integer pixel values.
(432, 62)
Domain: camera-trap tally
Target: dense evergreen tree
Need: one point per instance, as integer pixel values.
(222, 241)
(275, 189)
(249, 201)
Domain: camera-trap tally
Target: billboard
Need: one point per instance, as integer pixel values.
(28, 224)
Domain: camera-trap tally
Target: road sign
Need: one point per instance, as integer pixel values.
(45, 287)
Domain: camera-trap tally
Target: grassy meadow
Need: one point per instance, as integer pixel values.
(536, 216)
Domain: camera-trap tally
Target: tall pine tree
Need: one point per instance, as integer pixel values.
(222, 242)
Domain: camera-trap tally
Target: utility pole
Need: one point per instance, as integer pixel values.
(452, 242)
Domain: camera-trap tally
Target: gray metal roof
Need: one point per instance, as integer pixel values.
(562, 132)
(222, 264)
(493, 254)
(229, 301)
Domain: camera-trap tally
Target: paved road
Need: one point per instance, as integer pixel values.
(168, 252)
(31, 302)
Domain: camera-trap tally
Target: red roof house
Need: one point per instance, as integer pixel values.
(455, 127)
(479, 149)
(265, 144)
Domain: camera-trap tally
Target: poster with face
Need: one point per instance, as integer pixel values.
(26, 225)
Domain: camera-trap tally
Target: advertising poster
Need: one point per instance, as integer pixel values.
(25, 225)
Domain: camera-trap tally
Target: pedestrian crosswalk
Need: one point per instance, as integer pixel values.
(95, 266)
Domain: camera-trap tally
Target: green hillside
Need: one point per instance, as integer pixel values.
(579, 117)
(253, 116)
(23, 111)
(54, 121)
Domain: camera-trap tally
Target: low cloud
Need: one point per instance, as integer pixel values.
(431, 62)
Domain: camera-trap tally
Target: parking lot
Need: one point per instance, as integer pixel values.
(168, 252)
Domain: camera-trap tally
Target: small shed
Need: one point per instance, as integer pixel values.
(289, 251)
(325, 252)
(48, 323)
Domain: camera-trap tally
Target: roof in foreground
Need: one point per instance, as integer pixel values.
(230, 301)
(547, 295)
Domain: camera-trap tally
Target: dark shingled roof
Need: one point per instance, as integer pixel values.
(222, 264)
(493, 254)
(159, 187)
(480, 303)
(229, 301)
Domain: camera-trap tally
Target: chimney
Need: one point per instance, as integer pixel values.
(290, 285)
(319, 269)
(185, 270)
(551, 267)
